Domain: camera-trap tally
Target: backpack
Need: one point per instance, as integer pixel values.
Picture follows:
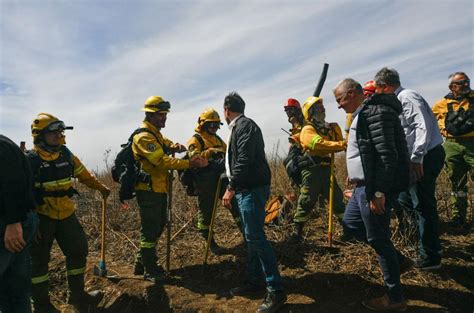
(460, 122)
(126, 170)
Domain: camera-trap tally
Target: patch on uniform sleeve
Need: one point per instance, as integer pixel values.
(151, 147)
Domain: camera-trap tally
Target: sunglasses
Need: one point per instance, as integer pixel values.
(461, 82)
(59, 125)
(214, 124)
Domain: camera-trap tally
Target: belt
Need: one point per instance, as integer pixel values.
(358, 183)
(460, 139)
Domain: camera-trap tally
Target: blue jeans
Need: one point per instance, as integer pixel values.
(360, 222)
(15, 270)
(261, 261)
(421, 201)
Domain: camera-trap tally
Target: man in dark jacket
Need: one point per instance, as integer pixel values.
(18, 224)
(249, 181)
(378, 163)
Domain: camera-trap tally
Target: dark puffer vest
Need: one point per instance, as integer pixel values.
(382, 145)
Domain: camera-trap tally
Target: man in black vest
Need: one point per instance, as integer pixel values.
(378, 164)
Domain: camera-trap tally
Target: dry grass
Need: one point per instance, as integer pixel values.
(315, 275)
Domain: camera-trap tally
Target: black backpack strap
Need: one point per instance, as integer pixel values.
(143, 130)
(200, 140)
(450, 106)
(220, 139)
(34, 160)
(69, 157)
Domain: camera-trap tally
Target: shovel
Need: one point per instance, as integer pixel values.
(101, 270)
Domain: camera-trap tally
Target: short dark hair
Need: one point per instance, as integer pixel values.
(234, 102)
(387, 76)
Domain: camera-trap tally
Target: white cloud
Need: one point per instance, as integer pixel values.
(93, 64)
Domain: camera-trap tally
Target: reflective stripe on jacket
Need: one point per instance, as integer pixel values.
(151, 155)
(318, 143)
(52, 181)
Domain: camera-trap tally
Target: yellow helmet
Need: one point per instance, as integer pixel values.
(45, 122)
(208, 115)
(156, 104)
(308, 104)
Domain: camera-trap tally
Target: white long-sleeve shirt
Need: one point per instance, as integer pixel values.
(419, 123)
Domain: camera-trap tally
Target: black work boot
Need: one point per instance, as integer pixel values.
(80, 299)
(273, 301)
(40, 296)
(214, 247)
(154, 274)
(297, 235)
(138, 268)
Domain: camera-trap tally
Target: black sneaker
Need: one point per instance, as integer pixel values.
(427, 265)
(273, 301)
(248, 289)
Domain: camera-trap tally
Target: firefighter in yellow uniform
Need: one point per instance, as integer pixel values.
(154, 153)
(318, 140)
(54, 168)
(295, 117)
(207, 143)
(459, 144)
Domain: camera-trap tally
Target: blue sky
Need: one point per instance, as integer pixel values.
(93, 63)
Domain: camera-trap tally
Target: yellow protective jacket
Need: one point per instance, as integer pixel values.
(212, 144)
(62, 207)
(294, 138)
(440, 109)
(322, 142)
(153, 159)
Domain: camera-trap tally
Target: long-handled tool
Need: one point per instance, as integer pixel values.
(213, 217)
(101, 270)
(322, 80)
(331, 200)
(169, 220)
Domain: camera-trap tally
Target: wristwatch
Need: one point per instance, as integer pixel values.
(379, 194)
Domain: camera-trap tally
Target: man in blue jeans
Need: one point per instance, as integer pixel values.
(249, 181)
(18, 224)
(378, 163)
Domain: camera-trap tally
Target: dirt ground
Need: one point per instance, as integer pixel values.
(317, 278)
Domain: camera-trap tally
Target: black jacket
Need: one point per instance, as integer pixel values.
(382, 145)
(16, 183)
(248, 164)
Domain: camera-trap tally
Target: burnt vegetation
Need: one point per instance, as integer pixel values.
(317, 278)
